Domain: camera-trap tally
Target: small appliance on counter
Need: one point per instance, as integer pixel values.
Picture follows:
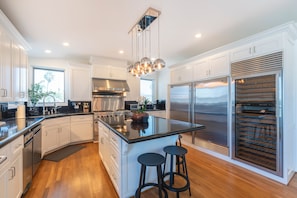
(161, 104)
(131, 105)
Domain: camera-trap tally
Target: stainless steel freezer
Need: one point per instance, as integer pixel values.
(210, 109)
(181, 102)
(204, 102)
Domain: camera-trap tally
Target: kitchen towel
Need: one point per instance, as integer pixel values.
(21, 111)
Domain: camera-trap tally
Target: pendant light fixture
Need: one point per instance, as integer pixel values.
(142, 31)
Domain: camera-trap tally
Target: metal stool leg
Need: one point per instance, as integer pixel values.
(186, 169)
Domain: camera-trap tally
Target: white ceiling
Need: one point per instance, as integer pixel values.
(100, 27)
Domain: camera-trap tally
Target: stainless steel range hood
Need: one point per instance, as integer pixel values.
(109, 86)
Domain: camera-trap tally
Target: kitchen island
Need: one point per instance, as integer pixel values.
(121, 141)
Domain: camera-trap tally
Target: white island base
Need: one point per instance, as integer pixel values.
(120, 159)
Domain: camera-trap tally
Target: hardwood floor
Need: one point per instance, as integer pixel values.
(83, 175)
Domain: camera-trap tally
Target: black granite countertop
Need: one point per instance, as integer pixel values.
(14, 127)
(156, 127)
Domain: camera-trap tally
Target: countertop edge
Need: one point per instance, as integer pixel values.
(152, 136)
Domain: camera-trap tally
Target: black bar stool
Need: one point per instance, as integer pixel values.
(179, 161)
(151, 159)
(178, 152)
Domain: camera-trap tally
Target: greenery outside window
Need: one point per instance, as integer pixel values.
(51, 80)
(146, 89)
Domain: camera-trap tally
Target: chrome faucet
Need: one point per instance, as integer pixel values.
(55, 106)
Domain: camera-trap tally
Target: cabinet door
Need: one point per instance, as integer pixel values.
(100, 71)
(49, 138)
(241, 53)
(5, 66)
(267, 45)
(117, 73)
(81, 128)
(64, 135)
(80, 84)
(100, 139)
(3, 183)
(219, 65)
(16, 71)
(201, 70)
(182, 74)
(15, 178)
(23, 76)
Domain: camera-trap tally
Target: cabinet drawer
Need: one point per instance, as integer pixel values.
(56, 121)
(82, 118)
(115, 157)
(115, 140)
(115, 177)
(17, 146)
(4, 155)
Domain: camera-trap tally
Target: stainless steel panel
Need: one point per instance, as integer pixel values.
(210, 110)
(180, 102)
(107, 103)
(36, 148)
(109, 86)
(268, 63)
(27, 165)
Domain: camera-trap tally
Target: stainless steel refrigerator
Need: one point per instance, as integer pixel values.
(203, 102)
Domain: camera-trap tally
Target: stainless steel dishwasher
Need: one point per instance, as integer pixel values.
(27, 160)
(36, 130)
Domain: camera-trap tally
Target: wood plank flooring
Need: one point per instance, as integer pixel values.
(83, 175)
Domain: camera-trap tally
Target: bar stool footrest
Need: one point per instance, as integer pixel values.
(176, 189)
(149, 184)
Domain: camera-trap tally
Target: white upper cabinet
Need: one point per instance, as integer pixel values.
(109, 72)
(5, 67)
(80, 84)
(264, 46)
(13, 62)
(210, 67)
(19, 73)
(182, 74)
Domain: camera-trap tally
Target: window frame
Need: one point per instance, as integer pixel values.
(153, 88)
(51, 68)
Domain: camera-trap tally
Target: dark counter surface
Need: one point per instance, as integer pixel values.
(15, 127)
(156, 127)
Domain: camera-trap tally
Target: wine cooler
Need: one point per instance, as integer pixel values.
(257, 114)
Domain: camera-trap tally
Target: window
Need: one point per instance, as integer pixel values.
(146, 89)
(51, 81)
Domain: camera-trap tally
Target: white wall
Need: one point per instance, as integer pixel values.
(163, 81)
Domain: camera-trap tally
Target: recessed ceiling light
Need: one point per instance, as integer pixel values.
(48, 51)
(65, 44)
(199, 35)
(121, 52)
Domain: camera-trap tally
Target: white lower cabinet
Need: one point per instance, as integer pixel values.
(3, 183)
(15, 178)
(110, 153)
(11, 170)
(55, 133)
(81, 128)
